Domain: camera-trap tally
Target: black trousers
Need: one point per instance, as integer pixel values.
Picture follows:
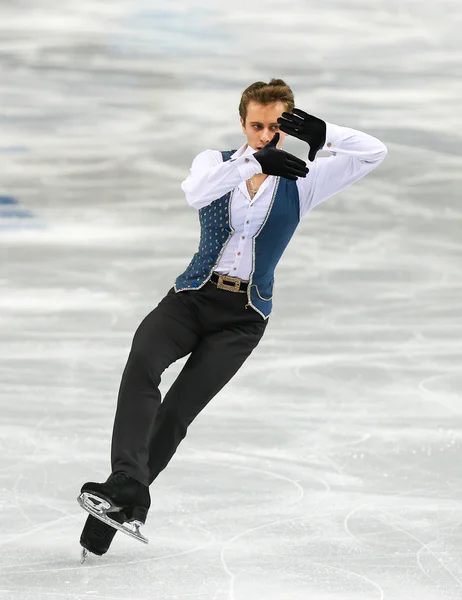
(213, 326)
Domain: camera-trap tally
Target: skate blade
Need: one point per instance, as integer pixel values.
(98, 508)
(96, 503)
(83, 555)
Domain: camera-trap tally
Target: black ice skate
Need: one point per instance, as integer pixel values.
(97, 536)
(120, 493)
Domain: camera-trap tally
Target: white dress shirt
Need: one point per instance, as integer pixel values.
(353, 155)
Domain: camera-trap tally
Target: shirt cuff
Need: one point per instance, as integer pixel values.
(334, 137)
(247, 166)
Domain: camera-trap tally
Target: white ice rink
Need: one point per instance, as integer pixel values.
(330, 468)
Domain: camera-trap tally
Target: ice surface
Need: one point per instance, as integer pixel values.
(329, 468)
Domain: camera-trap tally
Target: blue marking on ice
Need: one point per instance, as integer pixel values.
(14, 216)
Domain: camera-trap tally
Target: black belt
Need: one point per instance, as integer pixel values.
(231, 284)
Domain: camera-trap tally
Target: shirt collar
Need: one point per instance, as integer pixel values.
(244, 150)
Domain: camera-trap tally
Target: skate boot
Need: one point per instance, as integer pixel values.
(120, 493)
(97, 536)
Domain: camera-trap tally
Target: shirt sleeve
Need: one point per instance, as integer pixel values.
(354, 154)
(210, 177)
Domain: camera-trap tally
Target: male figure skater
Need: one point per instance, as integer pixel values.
(250, 202)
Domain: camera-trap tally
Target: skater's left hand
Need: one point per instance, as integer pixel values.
(305, 127)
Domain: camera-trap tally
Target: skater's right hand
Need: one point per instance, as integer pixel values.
(278, 162)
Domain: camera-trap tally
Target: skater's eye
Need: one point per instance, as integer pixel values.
(273, 126)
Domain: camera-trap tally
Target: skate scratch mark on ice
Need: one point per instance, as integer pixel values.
(19, 505)
(424, 547)
(361, 541)
(275, 476)
(348, 572)
(227, 544)
(68, 595)
(321, 456)
(208, 542)
(437, 397)
(18, 536)
(234, 455)
(360, 440)
(374, 504)
(232, 576)
(452, 530)
(45, 480)
(28, 455)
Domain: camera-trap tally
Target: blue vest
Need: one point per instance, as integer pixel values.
(269, 242)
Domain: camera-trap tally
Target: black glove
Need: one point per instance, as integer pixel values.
(305, 127)
(277, 162)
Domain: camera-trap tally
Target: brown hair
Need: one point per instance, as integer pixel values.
(266, 93)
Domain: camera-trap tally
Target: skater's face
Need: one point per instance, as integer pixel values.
(261, 124)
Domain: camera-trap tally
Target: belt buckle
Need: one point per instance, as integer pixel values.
(223, 286)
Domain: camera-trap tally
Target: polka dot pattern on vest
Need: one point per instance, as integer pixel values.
(215, 231)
